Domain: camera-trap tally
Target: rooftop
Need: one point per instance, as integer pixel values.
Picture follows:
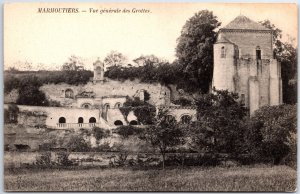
(243, 23)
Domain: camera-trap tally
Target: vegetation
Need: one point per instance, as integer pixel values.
(195, 49)
(218, 128)
(15, 80)
(29, 93)
(144, 111)
(164, 134)
(11, 114)
(269, 133)
(77, 144)
(115, 58)
(259, 178)
(129, 130)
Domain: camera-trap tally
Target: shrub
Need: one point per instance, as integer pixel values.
(183, 102)
(11, 114)
(126, 131)
(44, 159)
(100, 133)
(63, 159)
(77, 144)
(269, 133)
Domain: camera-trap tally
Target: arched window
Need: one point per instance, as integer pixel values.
(80, 121)
(258, 53)
(118, 105)
(133, 122)
(106, 106)
(170, 118)
(92, 120)
(186, 119)
(62, 120)
(118, 123)
(86, 105)
(69, 93)
(223, 52)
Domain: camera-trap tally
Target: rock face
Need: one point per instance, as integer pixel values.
(244, 63)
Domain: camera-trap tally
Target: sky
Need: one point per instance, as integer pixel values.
(32, 38)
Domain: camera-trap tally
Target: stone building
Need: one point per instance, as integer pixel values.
(98, 102)
(244, 63)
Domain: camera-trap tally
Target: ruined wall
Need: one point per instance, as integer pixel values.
(275, 83)
(248, 41)
(33, 119)
(108, 88)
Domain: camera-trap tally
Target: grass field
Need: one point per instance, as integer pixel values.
(263, 178)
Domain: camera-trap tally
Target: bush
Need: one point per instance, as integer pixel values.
(77, 144)
(126, 131)
(63, 159)
(183, 102)
(100, 133)
(269, 133)
(44, 159)
(11, 114)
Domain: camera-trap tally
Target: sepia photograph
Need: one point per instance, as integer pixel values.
(150, 97)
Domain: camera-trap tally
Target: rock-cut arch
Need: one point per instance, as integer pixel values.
(62, 120)
(118, 123)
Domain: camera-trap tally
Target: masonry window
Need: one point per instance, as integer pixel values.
(92, 120)
(118, 123)
(133, 122)
(106, 106)
(186, 119)
(62, 120)
(170, 118)
(258, 53)
(86, 105)
(223, 52)
(118, 105)
(69, 93)
(80, 121)
(242, 99)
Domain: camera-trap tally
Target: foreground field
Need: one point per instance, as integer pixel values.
(278, 178)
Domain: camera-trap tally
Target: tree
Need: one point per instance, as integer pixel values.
(29, 93)
(269, 132)
(77, 143)
(286, 53)
(74, 63)
(115, 58)
(219, 123)
(143, 59)
(195, 49)
(144, 111)
(164, 134)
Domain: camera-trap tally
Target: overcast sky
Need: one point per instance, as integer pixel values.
(52, 38)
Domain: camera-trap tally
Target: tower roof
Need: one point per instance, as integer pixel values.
(243, 23)
(223, 39)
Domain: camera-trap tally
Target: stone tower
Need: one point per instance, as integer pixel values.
(244, 63)
(98, 72)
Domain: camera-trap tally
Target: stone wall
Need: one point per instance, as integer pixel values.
(108, 88)
(224, 68)
(247, 42)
